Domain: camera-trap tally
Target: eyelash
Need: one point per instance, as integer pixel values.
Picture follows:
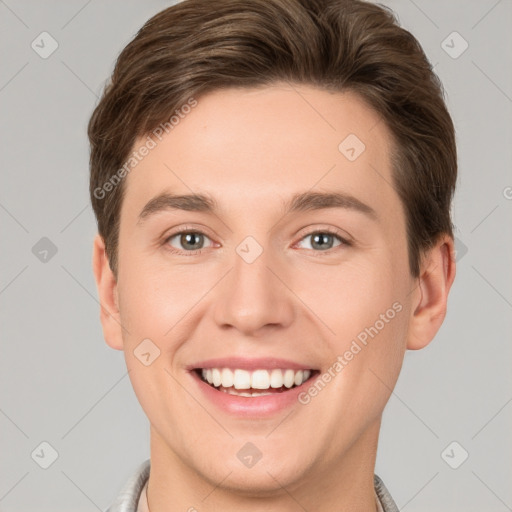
(186, 230)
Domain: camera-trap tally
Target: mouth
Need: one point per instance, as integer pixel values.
(254, 383)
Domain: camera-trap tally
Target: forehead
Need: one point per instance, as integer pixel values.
(256, 147)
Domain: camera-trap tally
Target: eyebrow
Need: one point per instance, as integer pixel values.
(300, 202)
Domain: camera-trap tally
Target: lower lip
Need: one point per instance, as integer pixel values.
(264, 405)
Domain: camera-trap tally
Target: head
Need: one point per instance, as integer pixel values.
(319, 161)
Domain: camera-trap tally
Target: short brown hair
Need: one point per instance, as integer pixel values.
(197, 46)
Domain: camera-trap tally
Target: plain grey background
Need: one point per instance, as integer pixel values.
(62, 385)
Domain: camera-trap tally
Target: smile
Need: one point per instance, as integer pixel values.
(259, 382)
(251, 387)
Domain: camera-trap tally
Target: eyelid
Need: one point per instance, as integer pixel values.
(179, 231)
(345, 239)
(342, 235)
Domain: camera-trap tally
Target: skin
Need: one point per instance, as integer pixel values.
(252, 149)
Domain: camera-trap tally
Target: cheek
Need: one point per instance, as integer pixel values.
(366, 314)
(153, 299)
(351, 297)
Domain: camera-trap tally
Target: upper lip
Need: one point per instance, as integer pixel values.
(245, 363)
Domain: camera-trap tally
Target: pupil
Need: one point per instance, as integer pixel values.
(186, 238)
(319, 240)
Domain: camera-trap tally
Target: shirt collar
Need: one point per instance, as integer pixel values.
(132, 499)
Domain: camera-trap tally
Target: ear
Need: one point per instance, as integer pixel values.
(107, 291)
(437, 273)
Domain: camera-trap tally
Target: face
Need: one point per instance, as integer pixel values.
(286, 285)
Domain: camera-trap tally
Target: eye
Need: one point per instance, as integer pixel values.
(190, 241)
(324, 240)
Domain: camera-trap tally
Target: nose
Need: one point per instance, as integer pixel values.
(254, 296)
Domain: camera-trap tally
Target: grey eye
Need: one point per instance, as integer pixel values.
(322, 240)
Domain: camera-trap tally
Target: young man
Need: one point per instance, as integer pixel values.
(272, 182)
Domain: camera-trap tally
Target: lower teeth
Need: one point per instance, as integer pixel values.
(244, 393)
(236, 392)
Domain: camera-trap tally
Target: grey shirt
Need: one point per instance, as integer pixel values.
(131, 496)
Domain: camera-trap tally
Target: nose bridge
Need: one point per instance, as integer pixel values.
(252, 296)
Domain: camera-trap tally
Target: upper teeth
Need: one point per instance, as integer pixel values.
(257, 379)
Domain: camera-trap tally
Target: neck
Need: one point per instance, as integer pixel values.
(344, 483)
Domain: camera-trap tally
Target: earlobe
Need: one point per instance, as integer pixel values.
(436, 277)
(108, 295)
